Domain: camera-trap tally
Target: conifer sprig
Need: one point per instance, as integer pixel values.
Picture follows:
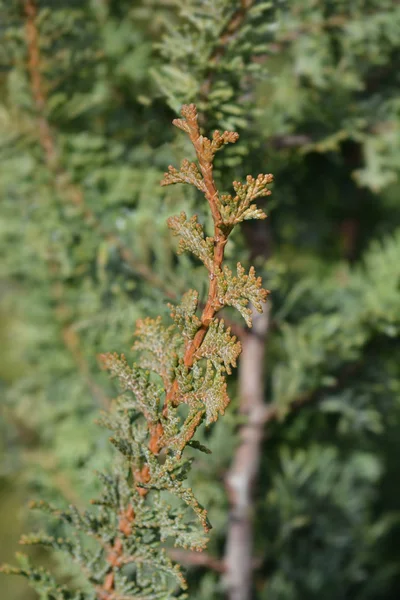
(205, 151)
(121, 544)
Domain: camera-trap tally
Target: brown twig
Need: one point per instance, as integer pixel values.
(115, 555)
(202, 560)
(46, 138)
(38, 90)
(212, 305)
(196, 559)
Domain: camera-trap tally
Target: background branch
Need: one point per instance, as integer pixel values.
(243, 472)
(62, 181)
(228, 32)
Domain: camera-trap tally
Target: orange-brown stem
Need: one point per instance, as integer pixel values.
(38, 90)
(115, 555)
(220, 239)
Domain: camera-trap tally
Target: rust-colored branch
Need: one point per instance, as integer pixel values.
(212, 305)
(220, 240)
(38, 90)
(116, 554)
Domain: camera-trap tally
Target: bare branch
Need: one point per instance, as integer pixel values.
(243, 472)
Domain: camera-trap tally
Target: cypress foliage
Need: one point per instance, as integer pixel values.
(312, 90)
(183, 365)
(71, 176)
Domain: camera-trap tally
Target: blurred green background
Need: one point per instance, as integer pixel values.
(88, 93)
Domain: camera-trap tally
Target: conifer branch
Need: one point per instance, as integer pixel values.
(183, 364)
(74, 194)
(61, 181)
(229, 31)
(70, 338)
(205, 151)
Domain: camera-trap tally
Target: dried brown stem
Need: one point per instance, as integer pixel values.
(38, 90)
(115, 554)
(238, 562)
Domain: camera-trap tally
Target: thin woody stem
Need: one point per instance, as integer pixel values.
(220, 240)
(38, 90)
(197, 559)
(212, 305)
(115, 554)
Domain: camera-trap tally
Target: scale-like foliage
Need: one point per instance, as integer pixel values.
(184, 314)
(239, 208)
(192, 238)
(188, 173)
(210, 54)
(158, 347)
(42, 581)
(209, 386)
(220, 347)
(241, 289)
(131, 525)
(327, 107)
